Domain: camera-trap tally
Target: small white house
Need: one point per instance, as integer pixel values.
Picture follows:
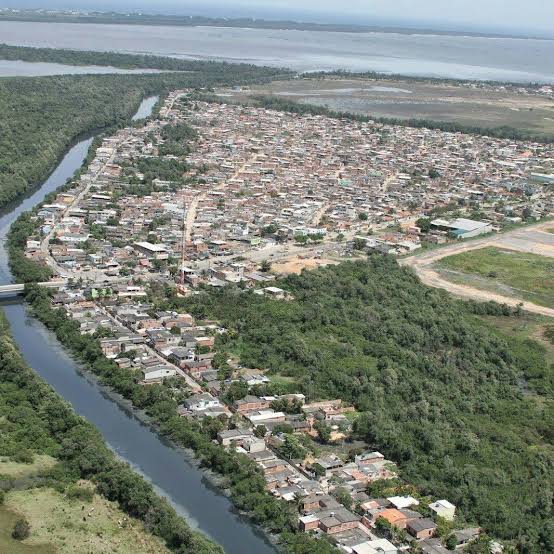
(200, 402)
(444, 509)
(158, 373)
(402, 502)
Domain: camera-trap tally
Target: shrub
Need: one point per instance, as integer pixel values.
(21, 530)
(24, 456)
(79, 492)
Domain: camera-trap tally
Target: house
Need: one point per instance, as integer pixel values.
(368, 458)
(158, 373)
(465, 536)
(200, 402)
(252, 379)
(462, 228)
(180, 355)
(188, 341)
(329, 463)
(433, 546)
(337, 520)
(308, 523)
(152, 251)
(393, 516)
(250, 403)
(314, 502)
(160, 338)
(400, 502)
(274, 292)
(423, 528)
(195, 368)
(444, 509)
(377, 546)
(273, 466)
(226, 438)
(262, 417)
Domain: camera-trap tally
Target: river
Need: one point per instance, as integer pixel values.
(168, 469)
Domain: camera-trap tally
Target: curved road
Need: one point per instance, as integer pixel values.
(533, 238)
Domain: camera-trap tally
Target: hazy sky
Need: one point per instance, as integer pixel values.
(508, 14)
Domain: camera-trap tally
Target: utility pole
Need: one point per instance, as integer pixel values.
(183, 242)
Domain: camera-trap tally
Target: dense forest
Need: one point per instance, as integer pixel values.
(285, 105)
(40, 117)
(35, 420)
(466, 413)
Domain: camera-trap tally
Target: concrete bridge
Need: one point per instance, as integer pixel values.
(18, 288)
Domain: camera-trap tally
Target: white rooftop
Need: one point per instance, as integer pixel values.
(401, 502)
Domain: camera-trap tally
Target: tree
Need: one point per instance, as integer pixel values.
(424, 224)
(260, 431)
(359, 244)
(363, 216)
(343, 496)
(21, 530)
(451, 542)
(265, 266)
(323, 431)
(291, 448)
(433, 173)
(318, 469)
(237, 391)
(282, 428)
(270, 229)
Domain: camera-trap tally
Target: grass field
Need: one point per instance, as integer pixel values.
(521, 275)
(404, 99)
(17, 470)
(63, 526)
(7, 544)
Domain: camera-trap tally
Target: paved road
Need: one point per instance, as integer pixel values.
(533, 238)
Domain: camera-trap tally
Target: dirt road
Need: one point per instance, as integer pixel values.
(533, 238)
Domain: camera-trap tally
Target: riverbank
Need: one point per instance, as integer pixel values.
(237, 477)
(51, 427)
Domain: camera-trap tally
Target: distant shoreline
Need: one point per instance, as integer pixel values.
(104, 18)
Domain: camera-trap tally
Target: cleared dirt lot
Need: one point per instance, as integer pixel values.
(410, 99)
(296, 264)
(534, 239)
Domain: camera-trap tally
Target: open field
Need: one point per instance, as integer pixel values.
(406, 99)
(8, 519)
(518, 274)
(296, 264)
(531, 239)
(67, 526)
(41, 462)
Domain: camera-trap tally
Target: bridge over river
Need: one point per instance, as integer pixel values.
(18, 288)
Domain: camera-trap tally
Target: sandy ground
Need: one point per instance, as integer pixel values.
(534, 239)
(296, 264)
